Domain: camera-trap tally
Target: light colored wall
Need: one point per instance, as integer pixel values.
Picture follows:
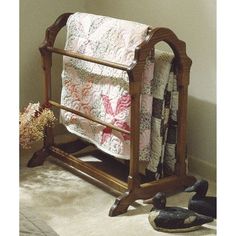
(194, 21)
(35, 17)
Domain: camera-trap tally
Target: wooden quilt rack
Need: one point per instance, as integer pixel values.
(132, 189)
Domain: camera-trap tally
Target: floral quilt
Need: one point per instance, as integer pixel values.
(103, 92)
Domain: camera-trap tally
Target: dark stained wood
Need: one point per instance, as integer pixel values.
(122, 203)
(38, 158)
(133, 190)
(88, 169)
(134, 90)
(88, 58)
(169, 184)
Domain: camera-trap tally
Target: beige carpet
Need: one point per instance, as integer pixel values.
(75, 205)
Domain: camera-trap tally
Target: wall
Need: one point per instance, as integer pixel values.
(193, 21)
(35, 17)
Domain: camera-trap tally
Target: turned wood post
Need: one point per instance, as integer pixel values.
(183, 71)
(46, 66)
(135, 80)
(46, 57)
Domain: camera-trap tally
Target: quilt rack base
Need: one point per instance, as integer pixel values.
(141, 187)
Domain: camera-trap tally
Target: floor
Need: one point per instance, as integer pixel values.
(74, 204)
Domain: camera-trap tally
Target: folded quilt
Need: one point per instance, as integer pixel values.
(164, 116)
(103, 92)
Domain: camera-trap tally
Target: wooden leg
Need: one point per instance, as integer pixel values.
(169, 185)
(38, 158)
(121, 204)
(189, 180)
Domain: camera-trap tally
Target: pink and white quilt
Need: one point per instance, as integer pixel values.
(103, 92)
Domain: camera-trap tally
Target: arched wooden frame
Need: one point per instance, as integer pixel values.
(132, 190)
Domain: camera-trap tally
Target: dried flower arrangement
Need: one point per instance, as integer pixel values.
(32, 123)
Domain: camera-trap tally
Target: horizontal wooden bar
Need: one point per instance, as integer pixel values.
(89, 117)
(159, 182)
(168, 184)
(89, 169)
(89, 58)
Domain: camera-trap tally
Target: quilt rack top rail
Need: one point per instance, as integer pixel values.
(142, 51)
(89, 58)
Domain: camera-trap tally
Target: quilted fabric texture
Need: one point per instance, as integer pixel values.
(164, 116)
(102, 92)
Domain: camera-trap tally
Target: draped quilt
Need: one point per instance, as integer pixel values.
(103, 92)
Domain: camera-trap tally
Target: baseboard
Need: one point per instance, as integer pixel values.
(201, 168)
